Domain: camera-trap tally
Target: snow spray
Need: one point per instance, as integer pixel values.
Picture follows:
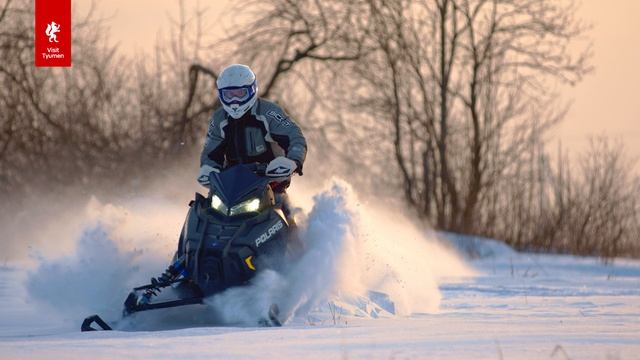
(352, 247)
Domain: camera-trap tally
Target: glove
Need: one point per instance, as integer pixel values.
(281, 167)
(205, 171)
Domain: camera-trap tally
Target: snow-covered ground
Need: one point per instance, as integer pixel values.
(497, 305)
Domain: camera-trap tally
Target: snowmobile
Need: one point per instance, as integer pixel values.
(236, 231)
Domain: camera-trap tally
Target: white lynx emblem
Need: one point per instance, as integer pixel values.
(51, 31)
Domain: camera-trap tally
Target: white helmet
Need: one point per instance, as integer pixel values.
(237, 89)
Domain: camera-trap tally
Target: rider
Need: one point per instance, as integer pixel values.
(249, 129)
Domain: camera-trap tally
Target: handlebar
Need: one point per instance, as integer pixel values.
(257, 168)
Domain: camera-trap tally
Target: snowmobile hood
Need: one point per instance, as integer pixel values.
(235, 184)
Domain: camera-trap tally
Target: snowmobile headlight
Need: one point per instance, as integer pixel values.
(218, 205)
(251, 205)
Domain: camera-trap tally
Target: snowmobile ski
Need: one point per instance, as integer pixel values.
(274, 312)
(272, 320)
(86, 324)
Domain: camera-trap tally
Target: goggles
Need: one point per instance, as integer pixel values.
(237, 94)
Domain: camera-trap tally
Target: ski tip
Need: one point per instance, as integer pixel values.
(271, 320)
(90, 320)
(274, 313)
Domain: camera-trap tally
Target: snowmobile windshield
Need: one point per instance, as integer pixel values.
(234, 184)
(237, 94)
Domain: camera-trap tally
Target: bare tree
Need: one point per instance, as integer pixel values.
(104, 120)
(605, 203)
(296, 40)
(447, 100)
(457, 82)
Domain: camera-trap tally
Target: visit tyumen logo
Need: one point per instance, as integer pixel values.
(53, 33)
(52, 52)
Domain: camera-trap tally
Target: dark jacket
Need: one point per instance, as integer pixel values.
(260, 135)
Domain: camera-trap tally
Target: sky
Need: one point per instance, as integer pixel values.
(135, 24)
(606, 102)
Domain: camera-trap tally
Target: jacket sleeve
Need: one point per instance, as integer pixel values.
(287, 134)
(213, 150)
